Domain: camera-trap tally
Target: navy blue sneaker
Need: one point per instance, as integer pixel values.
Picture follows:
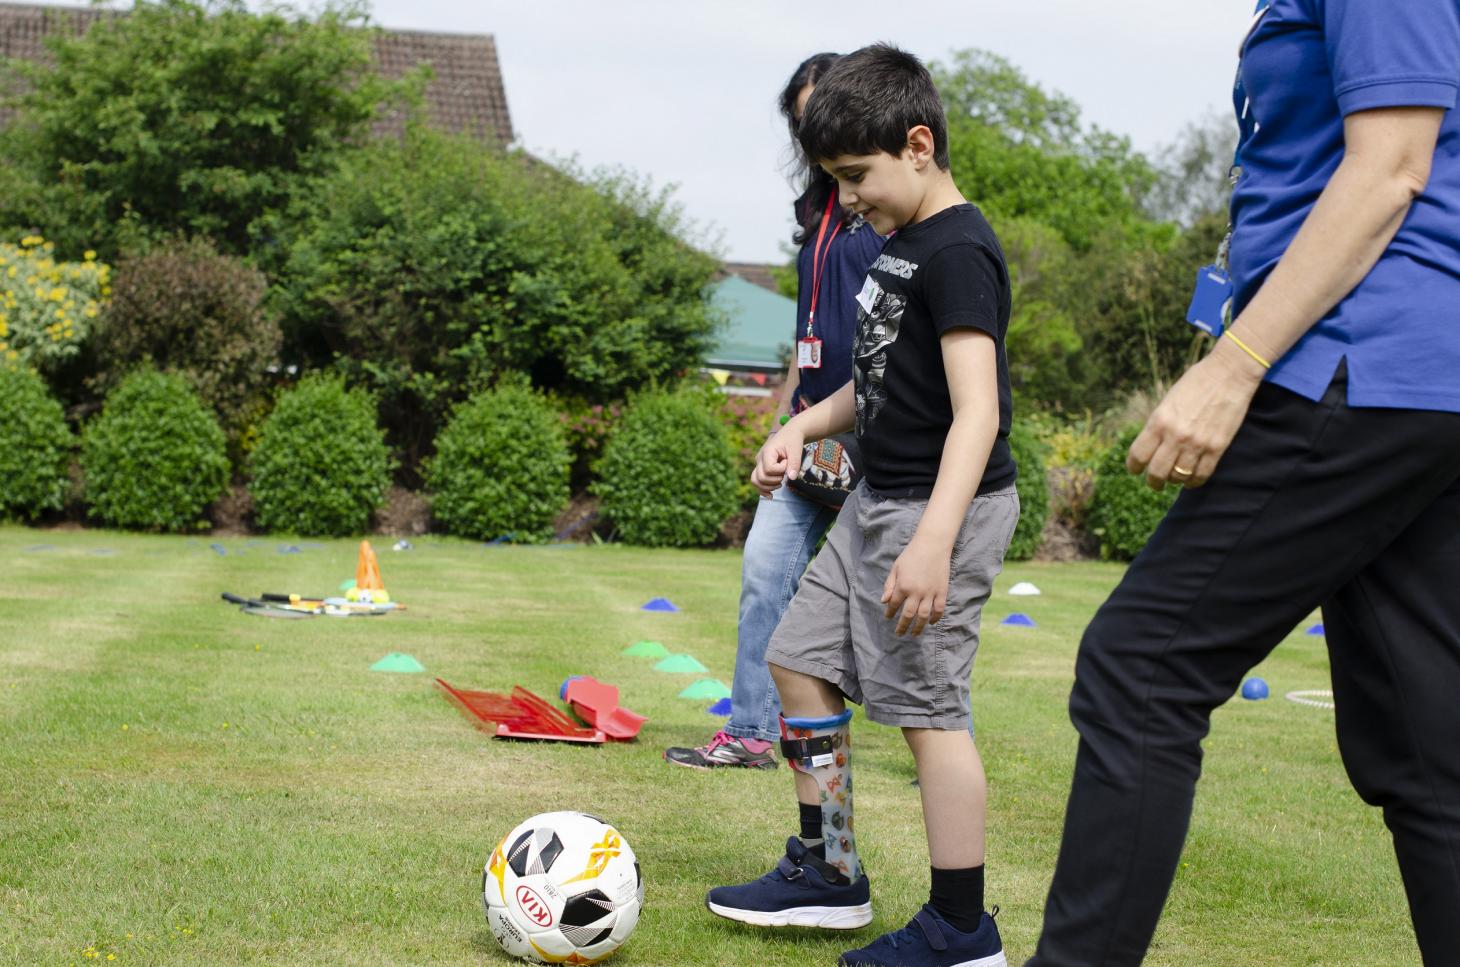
(800, 892)
(931, 941)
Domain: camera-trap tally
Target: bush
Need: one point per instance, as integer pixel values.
(195, 312)
(501, 467)
(1075, 449)
(748, 421)
(47, 307)
(586, 427)
(667, 477)
(154, 459)
(1124, 512)
(35, 446)
(1033, 490)
(425, 269)
(321, 466)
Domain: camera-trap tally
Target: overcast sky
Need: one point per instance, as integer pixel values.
(684, 90)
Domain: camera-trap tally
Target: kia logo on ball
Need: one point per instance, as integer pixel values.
(533, 906)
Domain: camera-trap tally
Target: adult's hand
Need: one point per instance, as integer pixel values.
(1386, 164)
(1196, 420)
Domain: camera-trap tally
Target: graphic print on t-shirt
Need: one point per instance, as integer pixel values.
(878, 321)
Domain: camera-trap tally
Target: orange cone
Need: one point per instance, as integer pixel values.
(367, 570)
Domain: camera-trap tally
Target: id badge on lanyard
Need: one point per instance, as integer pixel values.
(808, 350)
(1211, 301)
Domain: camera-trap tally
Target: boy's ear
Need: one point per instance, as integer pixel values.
(920, 146)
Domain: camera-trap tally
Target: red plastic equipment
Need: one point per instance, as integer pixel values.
(521, 715)
(597, 704)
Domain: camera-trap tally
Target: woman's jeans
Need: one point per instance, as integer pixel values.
(782, 538)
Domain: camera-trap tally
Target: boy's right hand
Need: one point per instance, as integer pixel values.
(778, 460)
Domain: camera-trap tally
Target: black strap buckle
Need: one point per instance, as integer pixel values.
(812, 752)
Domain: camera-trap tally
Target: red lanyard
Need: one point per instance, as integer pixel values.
(818, 262)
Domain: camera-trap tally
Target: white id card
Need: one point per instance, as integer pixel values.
(808, 354)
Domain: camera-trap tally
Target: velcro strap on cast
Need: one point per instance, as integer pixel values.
(811, 753)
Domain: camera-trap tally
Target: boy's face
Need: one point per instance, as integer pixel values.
(883, 188)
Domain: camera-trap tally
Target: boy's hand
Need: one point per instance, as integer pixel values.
(778, 459)
(917, 588)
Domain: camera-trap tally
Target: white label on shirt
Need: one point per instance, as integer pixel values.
(868, 296)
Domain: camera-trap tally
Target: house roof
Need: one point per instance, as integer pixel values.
(756, 273)
(761, 327)
(465, 95)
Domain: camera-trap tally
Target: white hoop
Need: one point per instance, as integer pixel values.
(1312, 697)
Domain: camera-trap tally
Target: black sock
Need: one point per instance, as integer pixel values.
(957, 895)
(811, 831)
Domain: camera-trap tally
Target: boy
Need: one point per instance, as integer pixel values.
(887, 615)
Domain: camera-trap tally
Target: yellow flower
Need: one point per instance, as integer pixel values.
(31, 240)
(89, 255)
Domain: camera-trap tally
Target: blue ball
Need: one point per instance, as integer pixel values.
(1254, 689)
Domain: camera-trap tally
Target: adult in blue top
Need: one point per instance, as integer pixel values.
(1319, 443)
(836, 251)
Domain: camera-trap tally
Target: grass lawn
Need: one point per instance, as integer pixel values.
(184, 784)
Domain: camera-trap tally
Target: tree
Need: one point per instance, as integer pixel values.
(184, 116)
(1099, 282)
(1022, 152)
(1194, 180)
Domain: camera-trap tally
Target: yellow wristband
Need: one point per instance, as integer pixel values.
(1248, 350)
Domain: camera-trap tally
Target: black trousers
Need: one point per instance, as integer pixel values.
(1356, 510)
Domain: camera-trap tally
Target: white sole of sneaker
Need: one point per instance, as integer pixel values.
(827, 918)
(993, 960)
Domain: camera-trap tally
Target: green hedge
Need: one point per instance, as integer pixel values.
(321, 466)
(1033, 487)
(35, 446)
(501, 467)
(667, 477)
(154, 459)
(1124, 511)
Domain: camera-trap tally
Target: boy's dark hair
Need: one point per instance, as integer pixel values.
(868, 101)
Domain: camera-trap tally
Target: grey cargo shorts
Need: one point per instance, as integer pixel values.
(834, 628)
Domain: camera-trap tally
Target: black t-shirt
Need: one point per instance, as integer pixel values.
(945, 272)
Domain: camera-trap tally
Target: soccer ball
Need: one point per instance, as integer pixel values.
(562, 888)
